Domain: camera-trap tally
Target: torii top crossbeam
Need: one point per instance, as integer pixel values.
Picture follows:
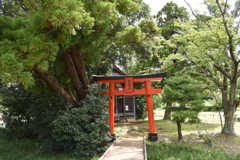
(129, 81)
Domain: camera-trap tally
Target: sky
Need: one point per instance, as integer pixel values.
(156, 5)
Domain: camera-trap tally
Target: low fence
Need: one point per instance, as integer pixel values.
(211, 117)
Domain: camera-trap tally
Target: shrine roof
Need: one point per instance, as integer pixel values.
(116, 71)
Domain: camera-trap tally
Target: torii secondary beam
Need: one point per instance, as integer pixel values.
(129, 90)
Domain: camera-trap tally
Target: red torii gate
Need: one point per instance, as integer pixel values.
(129, 90)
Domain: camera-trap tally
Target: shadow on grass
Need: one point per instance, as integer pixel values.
(14, 149)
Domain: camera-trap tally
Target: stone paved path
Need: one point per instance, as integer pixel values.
(126, 148)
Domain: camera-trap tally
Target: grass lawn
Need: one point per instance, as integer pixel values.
(165, 151)
(27, 150)
(201, 141)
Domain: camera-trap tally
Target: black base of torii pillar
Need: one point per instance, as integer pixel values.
(153, 137)
(129, 82)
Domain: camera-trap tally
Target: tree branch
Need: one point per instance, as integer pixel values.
(225, 7)
(72, 71)
(235, 14)
(79, 65)
(23, 6)
(55, 85)
(230, 36)
(236, 10)
(217, 66)
(222, 71)
(218, 103)
(204, 70)
(196, 15)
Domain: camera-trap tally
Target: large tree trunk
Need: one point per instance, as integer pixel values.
(55, 85)
(80, 66)
(179, 126)
(229, 107)
(167, 113)
(228, 128)
(76, 82)
(76, 70)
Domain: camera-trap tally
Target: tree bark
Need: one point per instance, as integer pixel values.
(76, 82)
(76, 69)
(167, 113)
(228, 128)
(229, 106)
(179, 130)
(55, 85)
(80, 67)
(225, 98)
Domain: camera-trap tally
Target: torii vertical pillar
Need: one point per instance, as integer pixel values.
(111, 110)
(152, 135)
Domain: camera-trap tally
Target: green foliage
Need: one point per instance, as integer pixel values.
(127, 6)
(166, 16)
(27, 150)
(165, 151)
(135, 17)
(141, 106)
(80, 131)
(18, 41)
(142, 41)
(185, 93)
(141, 109)
(157, 101)
(181, 116)
(8, 8)
(27, 115)
(36, 38)
(181, 89)
(169, 12)
(55, 124)
(211, 46)
(150, 56)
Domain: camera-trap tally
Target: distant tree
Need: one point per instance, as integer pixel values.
(164, 19)
(167, 15)
(119, 52)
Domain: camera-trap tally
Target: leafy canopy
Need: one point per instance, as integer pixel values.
(42, 30)
(186, 94)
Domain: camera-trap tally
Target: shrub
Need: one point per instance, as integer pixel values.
(55, 124)
(141, 109)
(27, 115)
(80, 131)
